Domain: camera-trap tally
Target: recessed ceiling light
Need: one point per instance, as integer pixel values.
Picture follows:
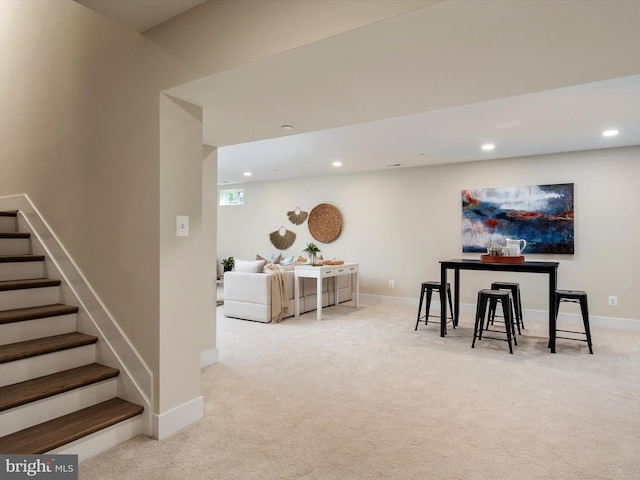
(287, 127)
(610, 133)
(337, 164)
(247, 174)
(488, 146)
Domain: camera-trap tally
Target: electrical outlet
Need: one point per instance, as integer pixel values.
(613, 301)
(392, 284)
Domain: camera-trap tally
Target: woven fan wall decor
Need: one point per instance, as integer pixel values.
(297, 216)
(325, 223)
(282, 238)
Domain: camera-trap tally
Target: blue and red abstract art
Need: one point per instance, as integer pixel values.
(540, 214)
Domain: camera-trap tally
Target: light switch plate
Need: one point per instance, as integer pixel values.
(182, 226)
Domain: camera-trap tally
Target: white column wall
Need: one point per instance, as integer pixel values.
(208, 261)
(180, 265)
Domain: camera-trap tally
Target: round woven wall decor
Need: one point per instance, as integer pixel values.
(325, 223)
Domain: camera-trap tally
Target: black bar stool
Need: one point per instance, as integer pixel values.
(580, 297)
(514, 288)
(504, 297)
(428, 288)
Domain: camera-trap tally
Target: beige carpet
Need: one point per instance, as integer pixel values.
(362, 395)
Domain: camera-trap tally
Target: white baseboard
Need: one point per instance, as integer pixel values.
(209, 357)
(628, 324)
(384, 300)
(177, 418)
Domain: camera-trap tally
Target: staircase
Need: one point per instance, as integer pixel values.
(52, 391)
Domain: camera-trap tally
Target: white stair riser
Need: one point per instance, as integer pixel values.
(103, 440)
(37, 328)
(13, 372)
(7, 224)
(29, 297)
(14, 246)
(34, 367)
(26, 416)
(21, 270)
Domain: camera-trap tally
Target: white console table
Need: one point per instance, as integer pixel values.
(320, 272)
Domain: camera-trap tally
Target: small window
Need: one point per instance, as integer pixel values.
(232, 197)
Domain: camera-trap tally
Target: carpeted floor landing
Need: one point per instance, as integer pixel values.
(361, 395)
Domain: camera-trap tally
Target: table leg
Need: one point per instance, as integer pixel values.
(357, 293)
(296, 295)
(319, 301)
(553, 282)
(456, 296)
(443, 301)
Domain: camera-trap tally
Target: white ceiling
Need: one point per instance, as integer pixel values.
(140, 15)
(562, 120)
(429, 87)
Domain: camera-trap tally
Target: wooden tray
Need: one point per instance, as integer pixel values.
(492, 259)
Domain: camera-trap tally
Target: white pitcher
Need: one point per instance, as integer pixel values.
(513, 247)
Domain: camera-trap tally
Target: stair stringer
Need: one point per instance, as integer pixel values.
(135, 382)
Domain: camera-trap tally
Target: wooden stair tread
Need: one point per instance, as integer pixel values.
(41, 346)
(32, 313)
(15, 235)
(21, 258)
(35, 389)
(65, 429)
(45, 437)
(30, 283)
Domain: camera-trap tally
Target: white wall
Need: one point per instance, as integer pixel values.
(208, 343)
(399, 223)
(81, 114)
(80, 124)
(180, 257)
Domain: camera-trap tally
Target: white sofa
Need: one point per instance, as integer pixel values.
(248, 295)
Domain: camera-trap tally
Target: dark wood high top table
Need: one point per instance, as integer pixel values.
(549, 268)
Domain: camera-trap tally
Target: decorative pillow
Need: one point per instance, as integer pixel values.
(273, 258)
(287, 260)
(249, 266)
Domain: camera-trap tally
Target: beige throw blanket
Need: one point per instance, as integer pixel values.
(279, 297)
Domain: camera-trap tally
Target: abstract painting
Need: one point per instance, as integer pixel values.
(540, 214)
